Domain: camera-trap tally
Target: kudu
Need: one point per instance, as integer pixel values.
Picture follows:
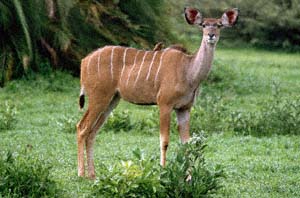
(168, 78)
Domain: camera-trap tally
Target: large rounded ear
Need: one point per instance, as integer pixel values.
(193, 16)
(230, 17)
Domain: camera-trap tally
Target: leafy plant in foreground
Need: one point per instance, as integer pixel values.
(138, 178)
(186, 175)
(24, 176)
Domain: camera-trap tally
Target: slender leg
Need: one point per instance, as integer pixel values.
(183, 120)
(86, 125)
(90, 140)
(165, 118)
(80, 144)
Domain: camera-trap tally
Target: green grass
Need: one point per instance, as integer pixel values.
(257, 167)
(267, 166)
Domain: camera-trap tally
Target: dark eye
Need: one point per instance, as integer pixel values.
(219, 25)
(203, 25)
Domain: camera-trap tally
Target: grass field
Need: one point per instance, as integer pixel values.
(45, 110)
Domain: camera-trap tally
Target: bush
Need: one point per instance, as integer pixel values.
(24, 176)
(7, 116)
(278, 116)
(123, 121)
(118, 121)
(210, 115)
(138, 178)
(186, 175)
(148, 124)
(222, 76)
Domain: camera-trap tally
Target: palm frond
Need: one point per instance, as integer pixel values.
(24, 24)
(5, 16)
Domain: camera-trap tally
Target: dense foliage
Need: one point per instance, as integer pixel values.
(186, 175)
(62, 32)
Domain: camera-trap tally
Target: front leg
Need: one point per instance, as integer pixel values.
(183, 120)
(165, 118)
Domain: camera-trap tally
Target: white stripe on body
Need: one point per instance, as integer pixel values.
(149, 71)
(124, 62)
(160, 63)
(99, 59)
(111, 63)
(136, 55)
(140, 68)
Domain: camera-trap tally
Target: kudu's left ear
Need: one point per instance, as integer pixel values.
(193, 16)
(230, 17)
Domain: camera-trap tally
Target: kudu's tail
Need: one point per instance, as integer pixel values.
(81, 98)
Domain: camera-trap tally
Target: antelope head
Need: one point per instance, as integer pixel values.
(211, 26)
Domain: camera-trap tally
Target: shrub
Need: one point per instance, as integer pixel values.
(209, 115)
(222, 76)
(244, 122)
(119, 121)
(186, 175)
(148, 124)
(24, 176)
(8, 114)
(138, 178)
(277, 116)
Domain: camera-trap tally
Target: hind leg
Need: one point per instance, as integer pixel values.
(90, 140)
(80, 143)
(87, 124)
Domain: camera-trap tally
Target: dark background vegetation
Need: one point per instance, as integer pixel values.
(59, 33)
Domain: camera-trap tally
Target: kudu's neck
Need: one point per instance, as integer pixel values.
(200, 65)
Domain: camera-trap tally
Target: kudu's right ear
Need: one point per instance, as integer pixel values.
(193, 16)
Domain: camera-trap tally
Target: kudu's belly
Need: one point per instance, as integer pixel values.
(140, 94)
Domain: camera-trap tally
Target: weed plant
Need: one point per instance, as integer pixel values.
(8, 116)
(209, 115)
(131, 178)
(186, 175)
(24, 176)
(119, 121)
(279, 115)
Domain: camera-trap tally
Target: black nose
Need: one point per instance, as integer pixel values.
(211, 35)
